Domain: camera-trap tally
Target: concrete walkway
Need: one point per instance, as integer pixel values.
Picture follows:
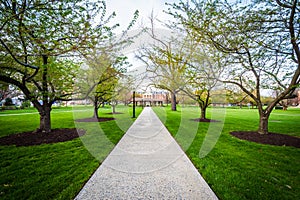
(147, 163)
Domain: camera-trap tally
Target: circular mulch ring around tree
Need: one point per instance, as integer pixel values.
(204, 120)
(37, 138)
(270, 138)
(92, 119)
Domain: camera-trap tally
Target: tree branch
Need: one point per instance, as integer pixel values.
(284, 5)
(19, 62)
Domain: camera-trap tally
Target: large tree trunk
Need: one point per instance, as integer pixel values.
(173, 101)
(203, 112)
(263, 124)
(264, 119)
(114, 104)
(113, 109)
(45, 109)
(45, 119)
(96, 110)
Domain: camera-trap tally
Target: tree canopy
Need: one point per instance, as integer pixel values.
(40, 44)
(100, 77)
(259, 39)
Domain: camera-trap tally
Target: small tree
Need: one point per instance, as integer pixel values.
(202, 73)
(236, 96)
(166, 62)
(124, 93)
(105, 89)
(119, 90)
(100, 77)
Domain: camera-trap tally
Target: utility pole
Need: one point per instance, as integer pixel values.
(133, 99)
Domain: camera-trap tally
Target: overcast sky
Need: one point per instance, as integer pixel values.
(125, 9)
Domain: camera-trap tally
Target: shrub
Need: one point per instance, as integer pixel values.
(8, 102)
(25, 104)
(12, 107)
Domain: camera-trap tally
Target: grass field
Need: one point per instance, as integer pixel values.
(56, 171)
(237, 169)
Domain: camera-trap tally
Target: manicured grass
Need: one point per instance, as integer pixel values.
(237, 169)
(56, 171)
(33, 110)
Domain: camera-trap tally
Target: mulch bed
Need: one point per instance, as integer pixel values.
(37, 138)
(271, 138)
(92, 119)
(204, 120)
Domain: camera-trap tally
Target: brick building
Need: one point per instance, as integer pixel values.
(151, 98)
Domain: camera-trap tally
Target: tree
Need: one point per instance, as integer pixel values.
(100, 76)
(202, 73)
(126, 85)
(236, 96)
(166, 62)
(121, 88)
(38, 40)
(105, 89)
(8, 102)
(260, 41)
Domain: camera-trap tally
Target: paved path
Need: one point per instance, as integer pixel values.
(147, 163)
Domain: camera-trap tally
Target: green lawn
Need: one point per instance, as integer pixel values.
(237, 169)
(56, 171)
